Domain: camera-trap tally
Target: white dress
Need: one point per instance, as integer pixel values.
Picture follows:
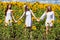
(8, 16)
(49, 17)
(28, 21)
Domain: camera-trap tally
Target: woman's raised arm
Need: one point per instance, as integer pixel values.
(21, 16)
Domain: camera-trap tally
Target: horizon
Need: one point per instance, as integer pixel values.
(41, 1)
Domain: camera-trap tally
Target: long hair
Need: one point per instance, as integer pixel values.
(26, 8)
(49, 9)
(7, 8)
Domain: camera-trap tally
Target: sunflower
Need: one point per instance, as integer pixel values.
(33, 18)
(19, 22)
(33, 27)
(52, 21)
(0, 21)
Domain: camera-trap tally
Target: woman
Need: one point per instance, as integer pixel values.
(28, 21)
(49, 18)
(9, 15)
(28, 14)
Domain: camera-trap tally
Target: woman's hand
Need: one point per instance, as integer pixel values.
(15, 21)
(38, 20)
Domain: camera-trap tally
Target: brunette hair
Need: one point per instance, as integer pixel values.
(7, 8)
(26, 8)
(49, 10)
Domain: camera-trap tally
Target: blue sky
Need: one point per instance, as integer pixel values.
(41, 1)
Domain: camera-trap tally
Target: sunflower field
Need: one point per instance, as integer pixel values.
(16, 31)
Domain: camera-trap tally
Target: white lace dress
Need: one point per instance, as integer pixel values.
(8, 17)
(28, 20)
(49, 17)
